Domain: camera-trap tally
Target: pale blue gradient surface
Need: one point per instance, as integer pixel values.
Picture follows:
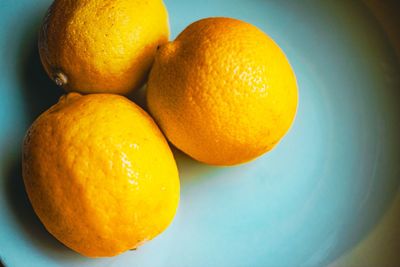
(311, 199)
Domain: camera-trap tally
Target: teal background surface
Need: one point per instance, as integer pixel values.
(315, 197)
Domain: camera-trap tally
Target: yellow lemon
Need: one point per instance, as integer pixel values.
(96, 46)
(223, 91)
(100, 174)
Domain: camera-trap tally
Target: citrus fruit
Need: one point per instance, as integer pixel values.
(95, 46)
(100, 174)
(223, 92)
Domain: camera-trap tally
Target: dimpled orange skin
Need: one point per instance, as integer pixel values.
(100, 174)
(223, 92)
(97, 46)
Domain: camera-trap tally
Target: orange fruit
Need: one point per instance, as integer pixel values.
(96, 46)
(223, 92)
(100, 174)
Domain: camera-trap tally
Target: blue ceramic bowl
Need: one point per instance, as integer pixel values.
(330, 188)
